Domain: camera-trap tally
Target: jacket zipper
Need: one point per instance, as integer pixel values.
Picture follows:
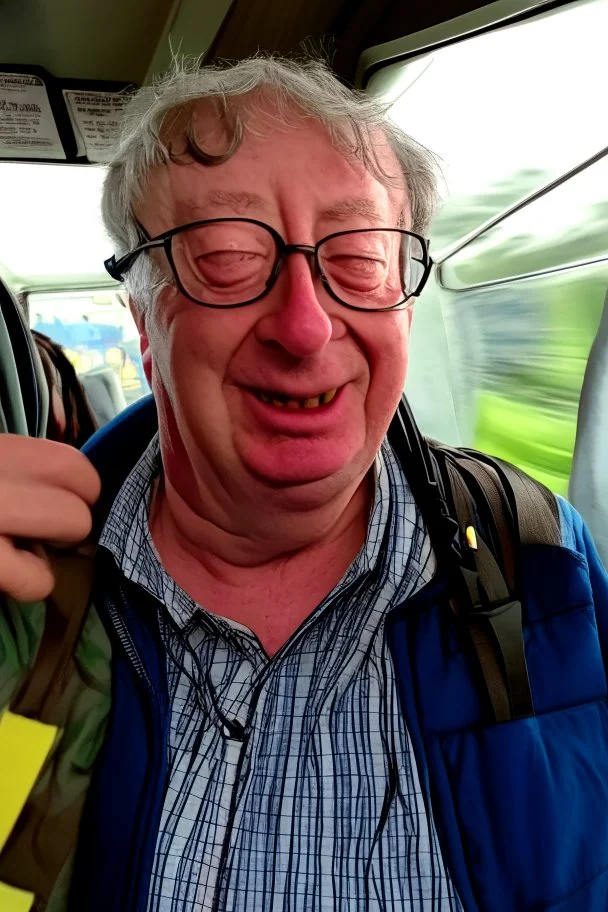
(151, 708)
(127, 643)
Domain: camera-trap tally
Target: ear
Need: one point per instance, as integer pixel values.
(144, 344)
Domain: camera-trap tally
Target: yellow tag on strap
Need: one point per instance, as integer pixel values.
(471, 538)
(24, 747)
(14, 900)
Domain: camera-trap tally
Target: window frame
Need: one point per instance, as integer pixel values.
(446, 254)
(489, 18)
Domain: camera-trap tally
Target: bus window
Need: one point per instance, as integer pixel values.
(509, 321)
(97, 333)
(53, 245)
(530, 293)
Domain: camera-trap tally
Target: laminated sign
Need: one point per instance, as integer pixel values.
(96, 121)
(27, 124)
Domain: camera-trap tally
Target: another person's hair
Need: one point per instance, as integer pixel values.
(304, 88)
(80, 422)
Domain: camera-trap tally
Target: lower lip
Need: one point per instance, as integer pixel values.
(297, 421)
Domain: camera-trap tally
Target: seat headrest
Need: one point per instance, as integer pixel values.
(23, 389)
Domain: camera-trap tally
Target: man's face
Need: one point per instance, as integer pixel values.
(208, 366)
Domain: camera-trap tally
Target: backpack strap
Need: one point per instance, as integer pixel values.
(480, 511)
(534, 506)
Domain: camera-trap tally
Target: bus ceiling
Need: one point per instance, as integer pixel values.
(131, 40)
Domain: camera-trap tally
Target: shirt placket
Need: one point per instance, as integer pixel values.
(232, 701)
(238, 747)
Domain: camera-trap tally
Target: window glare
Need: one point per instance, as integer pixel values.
(505, 111)
(51, 233)
(565, 227)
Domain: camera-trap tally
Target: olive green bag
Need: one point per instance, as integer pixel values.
(55, 661)
(55, 667)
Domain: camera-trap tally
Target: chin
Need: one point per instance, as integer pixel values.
(309, 467)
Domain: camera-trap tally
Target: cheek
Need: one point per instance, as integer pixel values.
(187, 385)
(192, 349)
(388, 357)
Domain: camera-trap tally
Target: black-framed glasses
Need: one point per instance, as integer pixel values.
(231, 262)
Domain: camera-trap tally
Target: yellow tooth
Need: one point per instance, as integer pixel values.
(330, 395)
(311, 403)
(278, 403)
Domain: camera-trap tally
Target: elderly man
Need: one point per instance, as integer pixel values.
(293, 721)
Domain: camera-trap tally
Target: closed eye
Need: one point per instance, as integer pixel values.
(351, 270)
(229, 267)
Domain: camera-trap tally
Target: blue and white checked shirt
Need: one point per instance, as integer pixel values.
(292, 783)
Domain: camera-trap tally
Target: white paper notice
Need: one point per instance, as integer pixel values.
(96, 120)
(27, 125)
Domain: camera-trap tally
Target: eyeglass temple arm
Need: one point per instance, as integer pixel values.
(117, 267)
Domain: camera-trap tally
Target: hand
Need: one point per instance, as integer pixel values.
(47, 490)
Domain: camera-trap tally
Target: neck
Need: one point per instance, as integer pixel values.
(260, 562)
(187, 532)
(268, 582)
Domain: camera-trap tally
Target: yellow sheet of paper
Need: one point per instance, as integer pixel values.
(14, 900)
(24, 746)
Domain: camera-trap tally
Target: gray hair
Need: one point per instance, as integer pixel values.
(298, 88)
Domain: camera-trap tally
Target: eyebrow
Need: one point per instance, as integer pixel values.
(238, 201)
(358, 206)
(242, 200)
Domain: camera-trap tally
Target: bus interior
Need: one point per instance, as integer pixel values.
(510, 336)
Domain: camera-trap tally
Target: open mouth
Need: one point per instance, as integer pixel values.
(281, 401)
